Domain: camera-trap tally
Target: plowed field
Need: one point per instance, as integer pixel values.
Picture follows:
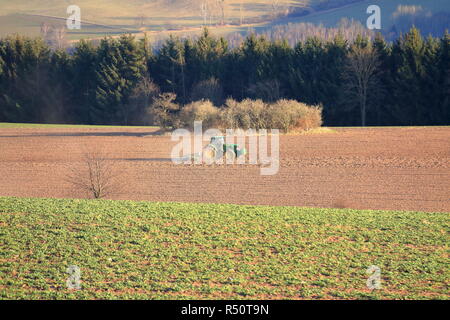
(361, 168)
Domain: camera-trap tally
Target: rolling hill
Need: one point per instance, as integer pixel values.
(25, 16)
(160, 17)
(357, 11)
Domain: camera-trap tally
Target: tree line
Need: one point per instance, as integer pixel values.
(360, 82)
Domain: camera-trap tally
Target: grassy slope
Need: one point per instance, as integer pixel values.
(182, 13)
(131, 249)
(121, 13)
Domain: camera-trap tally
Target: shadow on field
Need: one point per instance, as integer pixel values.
(145, 159)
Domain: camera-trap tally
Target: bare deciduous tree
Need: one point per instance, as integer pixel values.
(164, 110)
(275, 5)
(204, 10)
(142, 96)
(361, 76)
(141, 21)
(221, 4)
(98, 176)
(59, 37)
(45, 29)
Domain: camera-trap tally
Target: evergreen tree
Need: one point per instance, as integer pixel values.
(381, 113)
(443, 82)
(57, 103)
(430, 84)
(279, 63)
(306, 75)
(120, 66)
(408, 55)
(84, 80)
(331, 81)
(204, 57)
(26, 63)
(254, 61)
(168, 68)
(110, 83)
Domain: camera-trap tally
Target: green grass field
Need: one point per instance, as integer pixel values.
(135, 250)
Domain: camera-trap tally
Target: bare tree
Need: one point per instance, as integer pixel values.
(361, 75)
(221, 4)
(141, 21)
(45, 29)
(204, 10)
(275, 6)
(98, 176)
(164, 110)
(241, 14)
(59, 37)
(142, 96)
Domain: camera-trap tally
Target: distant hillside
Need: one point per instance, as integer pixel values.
(142, 15)
(161, 17)
(357, 11)
(27, 16)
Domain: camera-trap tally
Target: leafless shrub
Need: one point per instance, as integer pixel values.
(288, 115)
(312, 118)
(202, 110)
(245, 114)
(283, 114)
(164, 111)
(142, 97)
(98, 177)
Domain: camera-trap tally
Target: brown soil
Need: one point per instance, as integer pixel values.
(361, 168)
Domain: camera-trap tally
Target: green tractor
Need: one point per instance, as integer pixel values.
(217, 148)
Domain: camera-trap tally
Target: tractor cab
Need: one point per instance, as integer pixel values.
(217, 141)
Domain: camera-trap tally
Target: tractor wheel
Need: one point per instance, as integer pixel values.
(230, 156)
(209, 154)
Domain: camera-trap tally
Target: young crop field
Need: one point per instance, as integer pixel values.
(134, 250)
